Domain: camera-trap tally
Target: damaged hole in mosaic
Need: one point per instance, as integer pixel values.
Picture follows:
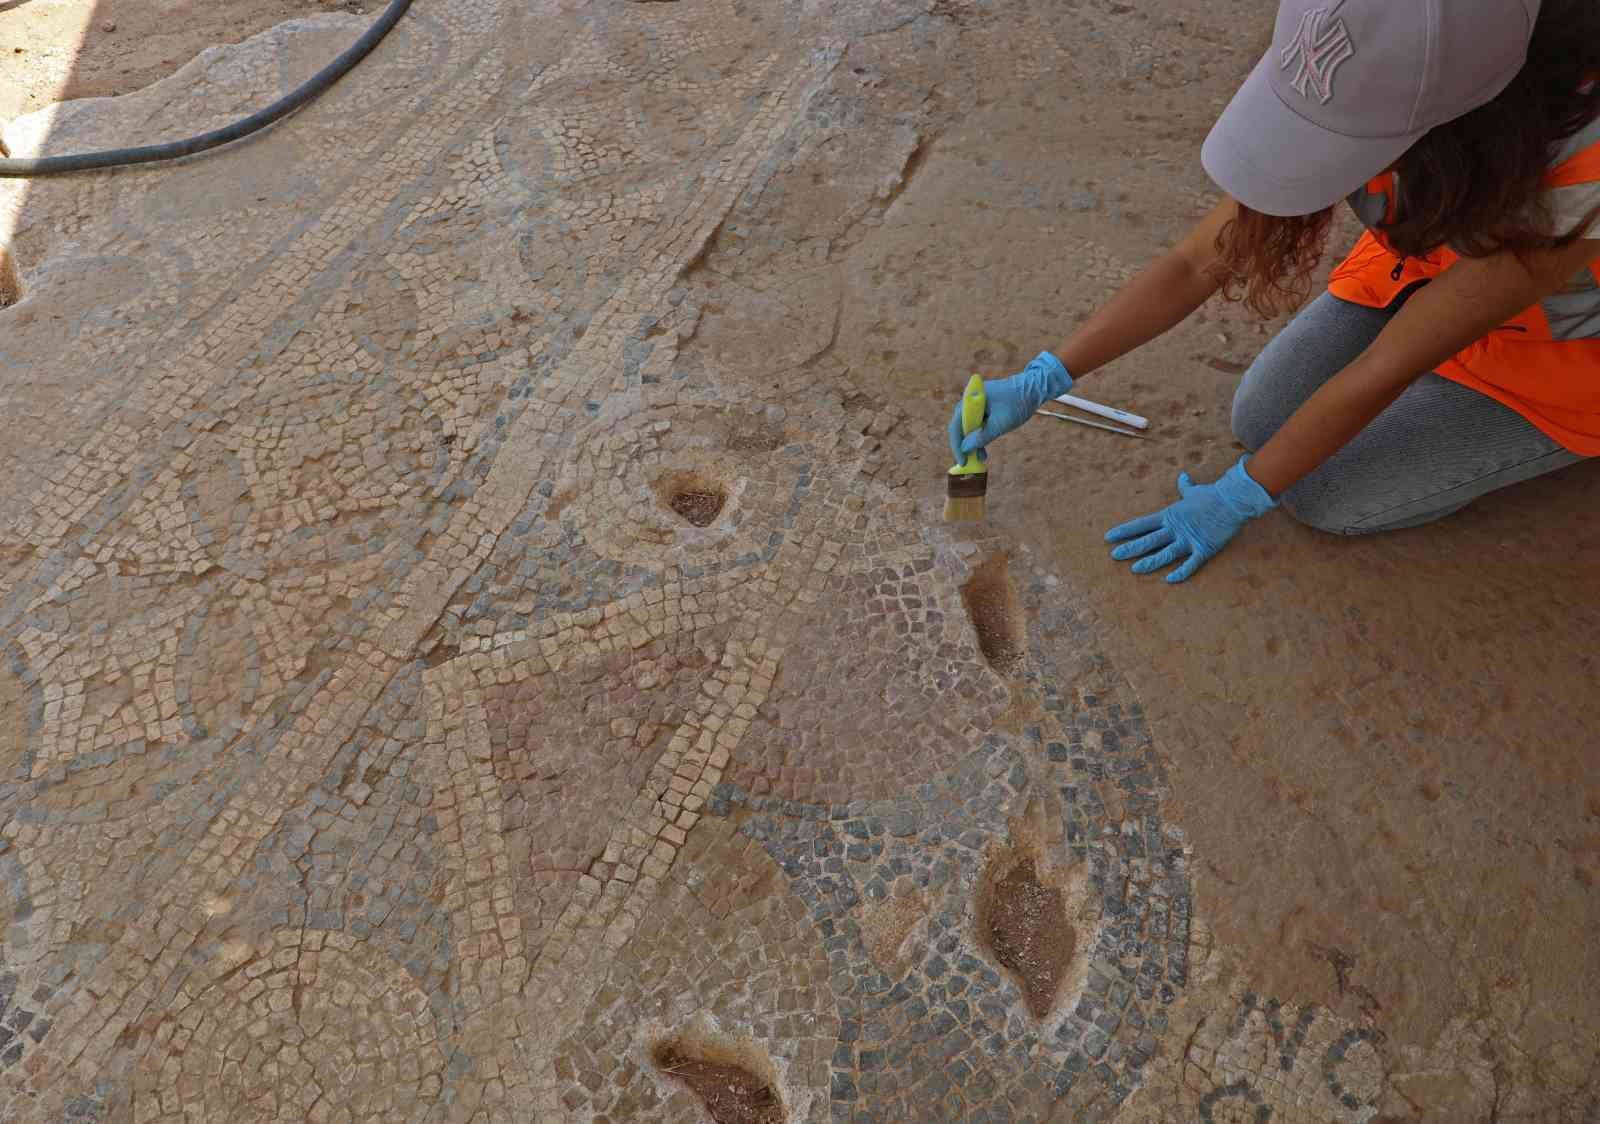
(1022, 922)
(10, 280)
(995, 611)
(694, 498)
(731, 1092)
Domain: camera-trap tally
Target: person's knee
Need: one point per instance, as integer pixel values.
(1256, 415)
(1317, 344)
(1321, 509)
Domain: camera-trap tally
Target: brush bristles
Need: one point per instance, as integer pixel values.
(964, 497)
(964, 509)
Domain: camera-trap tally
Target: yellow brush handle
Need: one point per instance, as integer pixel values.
(973, 407)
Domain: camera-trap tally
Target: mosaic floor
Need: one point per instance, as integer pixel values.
(470, 643)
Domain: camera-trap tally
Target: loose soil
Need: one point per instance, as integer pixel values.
(1028, 930)
(10, 283)
(56, 50)
(732, 1095)
(699, 508)
(996, 615)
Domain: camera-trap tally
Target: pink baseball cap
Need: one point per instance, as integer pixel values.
(1349, 85)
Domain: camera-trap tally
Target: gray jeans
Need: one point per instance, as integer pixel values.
(1438, 447)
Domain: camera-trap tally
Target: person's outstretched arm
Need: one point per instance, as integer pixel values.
(1177, 283)
(1158, 299)
(1469, 300)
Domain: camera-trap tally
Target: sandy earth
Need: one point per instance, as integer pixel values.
(1383, 747)
(1378, 753)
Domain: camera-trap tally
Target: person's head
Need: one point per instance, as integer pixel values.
(1465, 99)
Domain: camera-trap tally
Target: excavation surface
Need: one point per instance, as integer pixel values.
(475, 607)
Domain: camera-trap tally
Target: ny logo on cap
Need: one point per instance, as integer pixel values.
(1319, 46)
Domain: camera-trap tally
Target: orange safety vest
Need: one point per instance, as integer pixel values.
(1544, 363)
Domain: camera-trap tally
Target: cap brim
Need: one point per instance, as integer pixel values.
(1276, 162)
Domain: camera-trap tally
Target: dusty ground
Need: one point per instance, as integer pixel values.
(378, 671)
(1383, 748)
(54, 50)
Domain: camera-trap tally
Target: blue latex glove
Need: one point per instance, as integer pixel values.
(1196, 528)
(1012, 401)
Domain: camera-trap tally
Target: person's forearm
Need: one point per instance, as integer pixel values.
(1470, 300)
(1327, 421)
(1153, 302)
(1159, 298)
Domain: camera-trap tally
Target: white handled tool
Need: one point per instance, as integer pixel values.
(1111, 412)
(1093, 424)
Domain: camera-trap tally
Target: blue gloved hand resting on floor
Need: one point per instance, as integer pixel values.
(1012, 401)
(1196, 528)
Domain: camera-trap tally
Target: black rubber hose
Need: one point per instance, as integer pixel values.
(172, 150)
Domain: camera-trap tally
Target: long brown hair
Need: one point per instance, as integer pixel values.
(1473, 183)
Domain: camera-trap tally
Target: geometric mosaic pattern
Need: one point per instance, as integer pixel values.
(382, 741)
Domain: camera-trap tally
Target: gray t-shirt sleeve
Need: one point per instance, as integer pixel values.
(1569, 206)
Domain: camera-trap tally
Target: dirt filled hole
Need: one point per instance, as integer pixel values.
(699, 508)
(995, 611)
(10, 280)
(1022, 920)
(731, 1093)
(694, 498)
